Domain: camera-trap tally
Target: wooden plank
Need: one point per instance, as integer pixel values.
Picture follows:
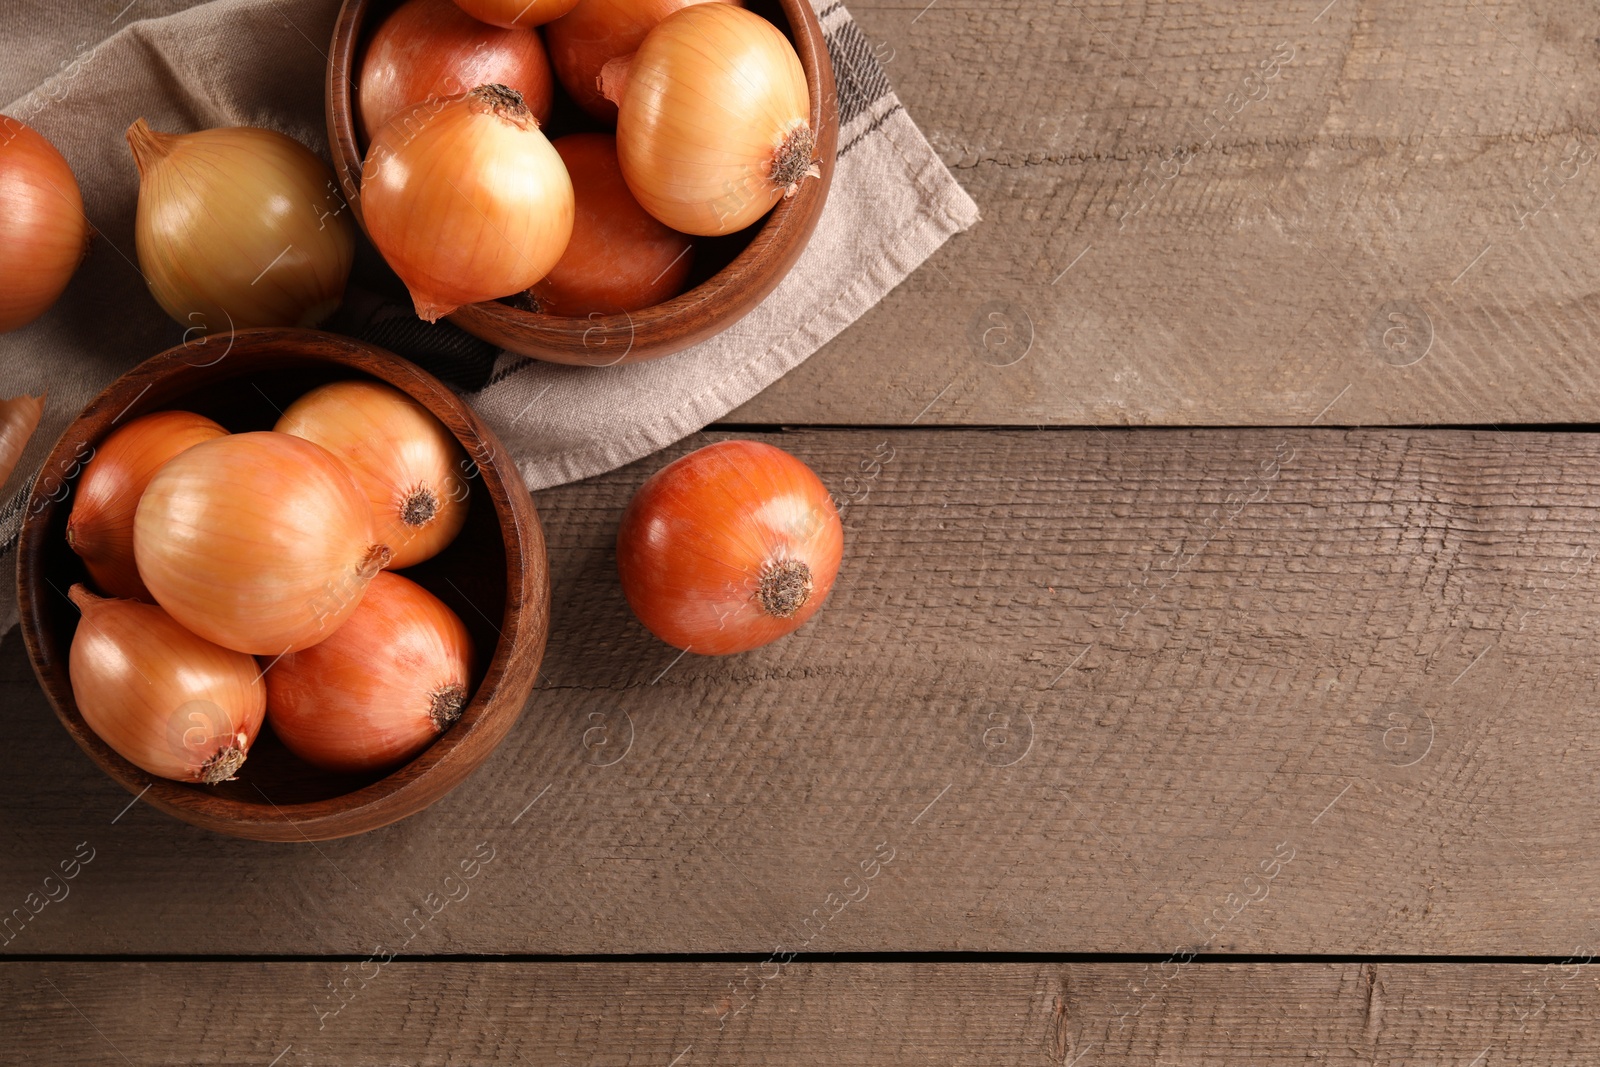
(1413, 179)
(1092, 1015)
(1246, 691)
(1220, 212)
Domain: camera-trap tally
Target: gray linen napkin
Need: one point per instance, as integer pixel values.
(260, 63)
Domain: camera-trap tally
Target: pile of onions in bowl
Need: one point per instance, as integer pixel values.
(467, 199)
(241, 578)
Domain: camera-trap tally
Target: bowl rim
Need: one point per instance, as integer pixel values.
(496, 703)
(741, 284)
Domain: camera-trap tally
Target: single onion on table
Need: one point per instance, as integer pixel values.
(713, 119)
(408, 465)
(620, 258)
(432, 50)
(169, 702)
(595, 32)
(44, 233)
(239, 227)
(100, 528)
(260, 542)
(473, 205)
(729, 548)
(381, 688)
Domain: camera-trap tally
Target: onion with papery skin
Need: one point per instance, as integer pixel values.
(729, 548)
(239, 227)
(390, 680)
(19, 417)
(470, 205)
(516, 12)
(620, 258)
(431, 49)
(407, 464)
(100, 528)
(713, 123)
(593, 33)
(169, 702)
(44, 233)
(260, 542)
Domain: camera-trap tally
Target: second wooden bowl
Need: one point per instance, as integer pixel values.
(493, 575)
(732, 274)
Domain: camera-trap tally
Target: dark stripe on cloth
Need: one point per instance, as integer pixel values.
(870, 130)
(12, 509)
(445, 351)
(857, 75)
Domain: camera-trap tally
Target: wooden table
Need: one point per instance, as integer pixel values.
(1260, 733)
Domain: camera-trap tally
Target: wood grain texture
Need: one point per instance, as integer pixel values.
(1046, 1014)
(1273, 206)
(1264, 691)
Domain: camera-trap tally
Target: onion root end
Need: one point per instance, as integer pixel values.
(419, 506)
(223, 765)
(504, 103)
(447, 704)
(784, 588)
(795, 160)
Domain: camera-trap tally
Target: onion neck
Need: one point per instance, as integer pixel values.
(148, 146)
(86, 601)
(375, 559)
(613, 80)
(86, 534)
(795, 160)
(784, 587)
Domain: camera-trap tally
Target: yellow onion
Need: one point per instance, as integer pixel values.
(19, 417)
(713, 119)
(516, 12)
(409, 466)
(100, 528)
(44, 233)
(466, 199)
(390, 680)
(169, 702)
(729, 548)
(239, 227)
(620, 258)
(595, 32)
(260, 542)
(431, 49)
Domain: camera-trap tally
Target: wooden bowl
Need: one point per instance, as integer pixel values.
(493, 575)
(731, 274)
